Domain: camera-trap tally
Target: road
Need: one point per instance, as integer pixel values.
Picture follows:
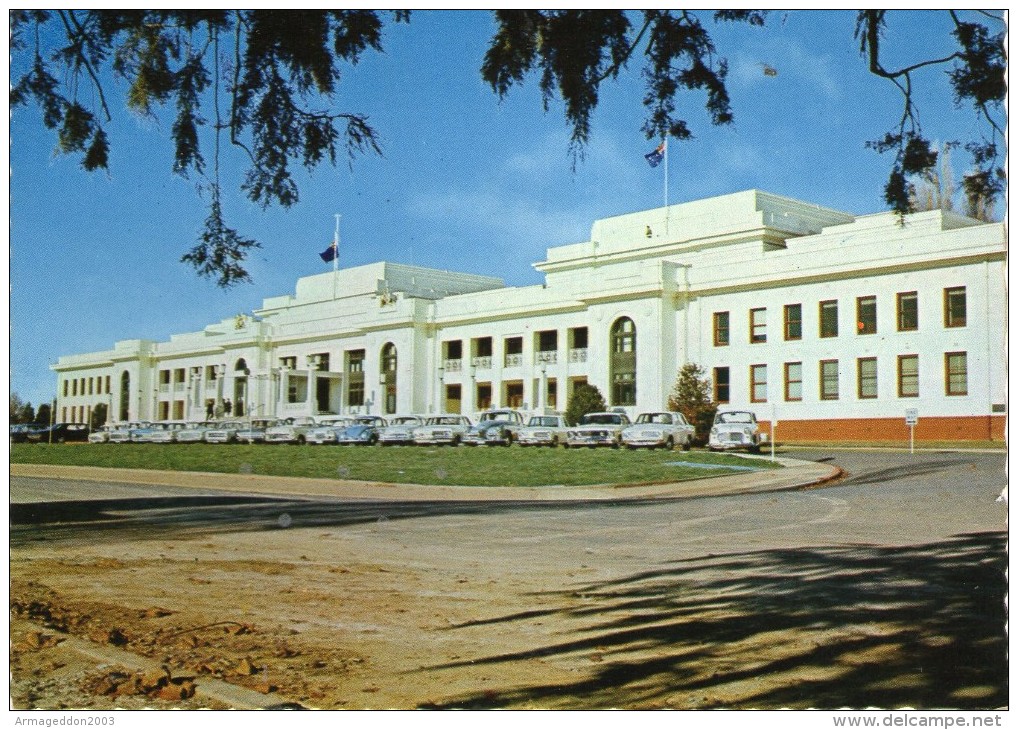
(885, 589)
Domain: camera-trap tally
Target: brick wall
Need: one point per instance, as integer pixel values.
(944, 428)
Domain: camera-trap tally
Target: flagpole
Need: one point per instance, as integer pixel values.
(335, 257)
(666, 187)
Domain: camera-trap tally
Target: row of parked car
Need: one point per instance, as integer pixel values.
(498, 427)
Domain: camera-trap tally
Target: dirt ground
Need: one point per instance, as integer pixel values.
(757, 601)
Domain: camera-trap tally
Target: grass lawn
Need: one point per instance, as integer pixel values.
(483, 466)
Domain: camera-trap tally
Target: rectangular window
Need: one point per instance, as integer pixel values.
(453, 349)
(867, 377)
(67, 384)
(908, 376)
(793, 381)
(828, 380)
(513, 352)
(722, 333)
(956, 373)
(758, 325)
(288, 362)
(829, 318)
(793, 321)
(866, 315)
(908, 311)
(954, 307)
(107, 383)
(758, 383)
(355, 377)
(722, 380)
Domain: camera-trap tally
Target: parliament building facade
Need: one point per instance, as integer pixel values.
(830, 324)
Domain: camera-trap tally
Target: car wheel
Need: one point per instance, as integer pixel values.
(670, 444)
(508, 440)
(301, 440)
(687, 444)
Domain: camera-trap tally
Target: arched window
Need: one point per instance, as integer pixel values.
(388, 377)
(623, 362)
(125, 396)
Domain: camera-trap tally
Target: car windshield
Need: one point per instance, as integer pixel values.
(654, 418)
(736, 417)
(496, 416)
(601, 419)
(446, 421)
(550, 421)
(405, 421)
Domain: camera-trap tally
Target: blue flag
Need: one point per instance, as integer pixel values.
(328, 254)
(655, 157)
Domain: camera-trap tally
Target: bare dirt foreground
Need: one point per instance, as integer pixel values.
(757, 601)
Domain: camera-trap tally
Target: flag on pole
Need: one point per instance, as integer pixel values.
(655, 157)
(330, 253)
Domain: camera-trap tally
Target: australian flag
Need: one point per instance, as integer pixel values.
(655, 157)
(329, 254)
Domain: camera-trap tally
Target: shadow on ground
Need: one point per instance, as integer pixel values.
(832, 627)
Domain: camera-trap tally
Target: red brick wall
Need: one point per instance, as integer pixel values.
(942, 428)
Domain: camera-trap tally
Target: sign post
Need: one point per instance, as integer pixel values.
(911, 419)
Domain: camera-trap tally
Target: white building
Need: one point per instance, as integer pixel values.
(834, 323)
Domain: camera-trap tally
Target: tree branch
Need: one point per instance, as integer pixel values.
(77, 38)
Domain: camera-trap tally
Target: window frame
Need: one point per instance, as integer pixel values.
(789, 381)
(822, 320)
(901, 298)
(726, 340)
(824, 393)
(948, 372)
(901, 376)
(861, 326)
(754, 326)
(789, 322)
(859, 380)
(950, 319)
(754, 383)
(715, 382)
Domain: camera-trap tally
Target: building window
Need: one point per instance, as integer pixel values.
(866, 315)
(828, 380)
(67, 384)
(722, 332)
(956, 373)
(452, 352)
(513, 352)
(296, 388)
(319, 361)
(514, 394)
(758, 383)
(829, 318)
(722, 381)
(867, 377)
(793, 321)
(908, 311)
(483, 396)
(355, 378)
(481, 349)
(758, 325)
(623, 362)
(954, 307)
(908, 376)
(793, 381)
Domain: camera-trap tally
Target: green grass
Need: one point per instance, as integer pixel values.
(483, 466)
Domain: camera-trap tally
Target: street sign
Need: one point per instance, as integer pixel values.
(911, 416)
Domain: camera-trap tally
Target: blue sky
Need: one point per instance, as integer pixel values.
(466, 183)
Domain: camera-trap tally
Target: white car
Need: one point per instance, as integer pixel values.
(597, 429)
(121, 432)
(101, 436)
(254, 430)
(165, 432)
(326, 430)
(290, 431)
(659, 429)
(448, 428)
(736, 430)
(543, 431)
(193, 432)
(400, 430)
(494, 427)
(224, 433)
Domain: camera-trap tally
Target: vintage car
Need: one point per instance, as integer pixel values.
(139, 434)
(194, 432)
(400, 430)
(165, 432)
(736, 430)
(543, 431)
(59, 433)
(121, 432)
(325, 429)
(100, 436)
(363, 431)
(447, 428)
(20, 431)
(659, 429)
(254, 430)
(494, 428)
(224, 433)
(597, 429)
(290, 430)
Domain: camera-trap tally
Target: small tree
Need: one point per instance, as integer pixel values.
(586, 399)
(45, 413)
(98, 417)
(691, 396)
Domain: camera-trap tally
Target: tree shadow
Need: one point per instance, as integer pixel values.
(828, 627)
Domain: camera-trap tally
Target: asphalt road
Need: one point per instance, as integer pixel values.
(894, 575)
